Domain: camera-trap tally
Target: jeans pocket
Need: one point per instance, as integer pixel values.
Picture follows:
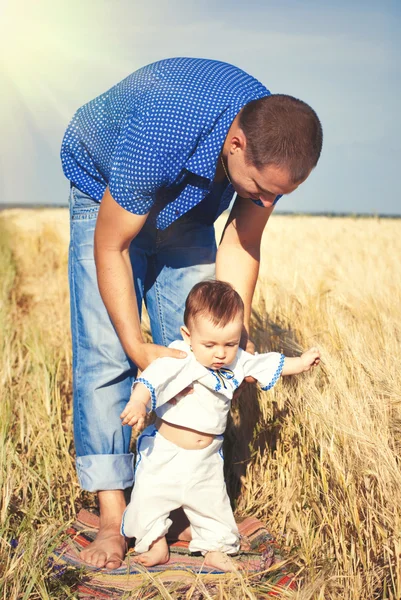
(82, 206)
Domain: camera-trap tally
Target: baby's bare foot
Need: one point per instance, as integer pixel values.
(158, 554)
(107, 550)
(221, 561)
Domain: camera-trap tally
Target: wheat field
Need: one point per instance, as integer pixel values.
(317, 458)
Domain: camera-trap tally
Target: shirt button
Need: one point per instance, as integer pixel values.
(177, 212)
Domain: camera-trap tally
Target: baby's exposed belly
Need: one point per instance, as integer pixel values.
(189, 439)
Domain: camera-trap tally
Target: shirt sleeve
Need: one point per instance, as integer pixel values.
(136, 169)
(265, 368)
(165, 378)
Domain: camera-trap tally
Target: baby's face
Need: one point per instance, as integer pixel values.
(214, 347)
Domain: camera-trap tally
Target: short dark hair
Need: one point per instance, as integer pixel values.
(283, 131)
(217, 300)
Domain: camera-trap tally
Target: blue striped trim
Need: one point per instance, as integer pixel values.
(150, 388)
(220, 375)
(276, 374)
(122, 524)
(217, 386)
(138, 449)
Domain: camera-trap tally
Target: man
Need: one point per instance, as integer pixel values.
(152, 163)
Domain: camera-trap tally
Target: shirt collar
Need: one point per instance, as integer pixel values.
(204, 160)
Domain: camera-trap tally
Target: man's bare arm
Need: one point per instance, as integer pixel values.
(115, 229)
(238, 255)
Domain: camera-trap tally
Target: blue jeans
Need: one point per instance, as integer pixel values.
(166, 264)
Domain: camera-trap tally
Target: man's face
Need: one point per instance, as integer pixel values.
(263, 184)
(214, 347)
(259, 184)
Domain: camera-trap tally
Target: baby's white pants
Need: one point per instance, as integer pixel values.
(168, 477)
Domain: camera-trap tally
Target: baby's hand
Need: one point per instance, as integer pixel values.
(134, 414)
(310, 358)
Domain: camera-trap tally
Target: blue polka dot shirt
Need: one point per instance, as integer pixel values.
(155, 138)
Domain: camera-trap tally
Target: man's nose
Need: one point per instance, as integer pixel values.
(220, 352)
(267, 201)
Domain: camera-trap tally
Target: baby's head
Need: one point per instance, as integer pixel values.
(214, 318)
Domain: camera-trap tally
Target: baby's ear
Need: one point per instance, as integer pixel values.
(186, 336)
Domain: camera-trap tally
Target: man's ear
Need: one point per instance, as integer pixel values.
(238, 141)
(186, 336)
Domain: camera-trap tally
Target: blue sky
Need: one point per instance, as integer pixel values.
(343, 58)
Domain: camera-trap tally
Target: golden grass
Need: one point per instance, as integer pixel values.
(324, 470)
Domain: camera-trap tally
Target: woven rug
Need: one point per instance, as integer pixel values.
(259, 557)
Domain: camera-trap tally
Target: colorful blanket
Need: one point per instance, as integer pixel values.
(259, 557)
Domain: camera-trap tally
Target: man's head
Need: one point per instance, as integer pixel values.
(214, 318)
(272, 146)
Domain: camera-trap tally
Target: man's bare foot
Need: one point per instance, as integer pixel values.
(221, 561)
(109, 547)
(107, 550)
(158, 554)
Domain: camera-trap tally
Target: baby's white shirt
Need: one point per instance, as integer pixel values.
(206, 409)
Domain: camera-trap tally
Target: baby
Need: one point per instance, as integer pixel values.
(179, 460)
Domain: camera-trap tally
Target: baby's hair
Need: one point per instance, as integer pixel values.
(216, 300)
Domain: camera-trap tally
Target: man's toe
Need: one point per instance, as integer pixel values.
(101, 560)
(113, 562)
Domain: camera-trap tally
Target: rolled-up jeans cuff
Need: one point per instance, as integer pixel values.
(97, 472)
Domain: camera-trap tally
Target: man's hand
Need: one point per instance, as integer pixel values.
(248, 346)
(310, 358)
(134, 414)
(147, 353)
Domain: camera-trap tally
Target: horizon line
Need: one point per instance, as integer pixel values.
(328, 213)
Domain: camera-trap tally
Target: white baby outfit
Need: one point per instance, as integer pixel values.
(167, 476)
